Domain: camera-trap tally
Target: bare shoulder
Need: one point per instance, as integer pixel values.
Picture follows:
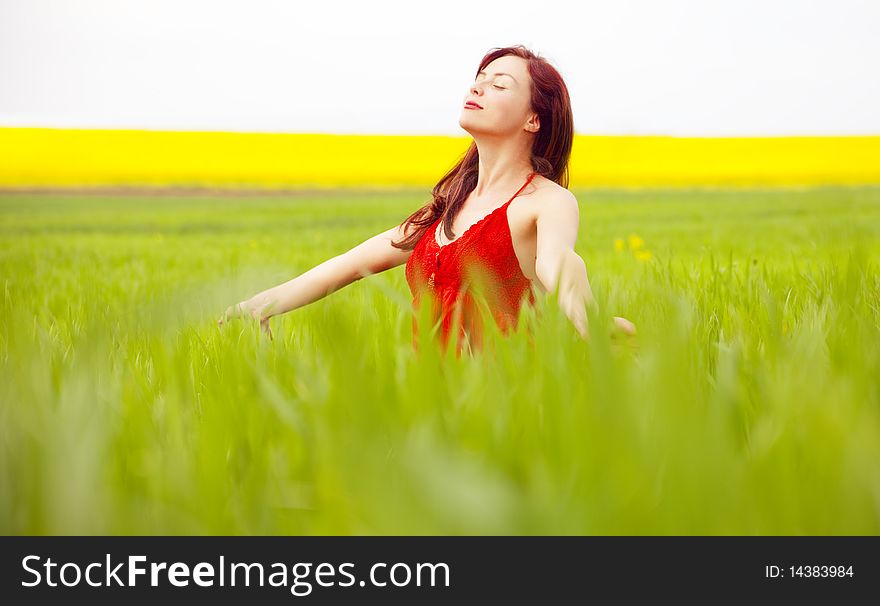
(550, 197)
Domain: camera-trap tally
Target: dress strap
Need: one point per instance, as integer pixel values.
(529, 180)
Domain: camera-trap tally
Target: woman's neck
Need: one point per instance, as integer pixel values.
(501, 164)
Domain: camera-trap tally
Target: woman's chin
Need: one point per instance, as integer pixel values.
(471, 128)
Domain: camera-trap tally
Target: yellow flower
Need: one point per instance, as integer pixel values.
(643, 255)
(635, 242)
(618, 244)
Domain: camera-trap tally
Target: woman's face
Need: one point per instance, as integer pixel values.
(503, 91)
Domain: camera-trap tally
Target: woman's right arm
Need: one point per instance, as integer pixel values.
(372, 256)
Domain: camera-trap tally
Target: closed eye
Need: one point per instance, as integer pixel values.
(496, 86)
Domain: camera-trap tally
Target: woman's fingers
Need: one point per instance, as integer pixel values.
(264, 324)
(625, 325)
(232, 312)
(627, 328)
(237, 311)
(223, 318)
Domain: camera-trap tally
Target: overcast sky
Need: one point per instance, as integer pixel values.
(677, 67)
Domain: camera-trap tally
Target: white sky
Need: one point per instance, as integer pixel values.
(677, 67)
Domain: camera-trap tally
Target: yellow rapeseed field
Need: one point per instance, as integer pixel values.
(45, 157)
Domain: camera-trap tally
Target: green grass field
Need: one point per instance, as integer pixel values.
(751, 406)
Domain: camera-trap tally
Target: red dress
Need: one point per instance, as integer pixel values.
(477, 269)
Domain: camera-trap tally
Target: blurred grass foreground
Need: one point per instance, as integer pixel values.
(751, 406)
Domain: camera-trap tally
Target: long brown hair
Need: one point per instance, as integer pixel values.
(550, 152)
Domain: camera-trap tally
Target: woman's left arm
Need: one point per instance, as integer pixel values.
(558, 266)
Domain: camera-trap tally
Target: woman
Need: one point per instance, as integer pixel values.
(463, 248)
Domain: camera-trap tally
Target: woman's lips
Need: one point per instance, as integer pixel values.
(470, 105)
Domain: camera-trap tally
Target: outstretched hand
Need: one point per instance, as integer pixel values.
(244, 310)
